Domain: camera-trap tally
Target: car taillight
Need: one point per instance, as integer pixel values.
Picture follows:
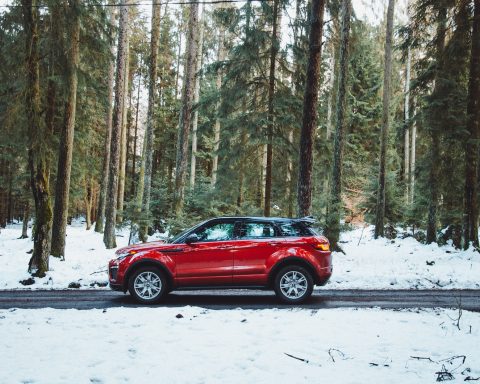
(322, 246)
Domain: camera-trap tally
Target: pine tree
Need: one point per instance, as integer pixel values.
(38, 137)
(111, 203)
(309, 121)
(332, 230)
(62, 188)
(435, 117)
(149, 134)
(108, 133)
(185, 115)
(470, 230)
(387, 74)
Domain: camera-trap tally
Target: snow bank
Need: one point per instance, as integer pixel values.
(401, 264)
(86, 259)
(194, 345)
(380, 264)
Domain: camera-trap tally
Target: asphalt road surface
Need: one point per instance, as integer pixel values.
(247, 299)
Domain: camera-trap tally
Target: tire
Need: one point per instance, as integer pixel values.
(148, 285)
(294, 291)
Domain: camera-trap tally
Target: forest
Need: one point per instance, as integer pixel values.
(156, 115)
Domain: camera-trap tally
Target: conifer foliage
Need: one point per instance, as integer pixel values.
(261, 104)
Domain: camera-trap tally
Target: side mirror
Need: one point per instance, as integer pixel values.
(192, 238)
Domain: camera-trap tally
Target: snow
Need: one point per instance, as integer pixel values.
(86, 259)
(368, 263)
(136, 345)
(401, 264)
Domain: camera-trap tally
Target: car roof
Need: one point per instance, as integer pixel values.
(307, 219)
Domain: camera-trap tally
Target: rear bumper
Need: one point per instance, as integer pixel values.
(323, 278)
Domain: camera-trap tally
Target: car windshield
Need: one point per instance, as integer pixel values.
(183, 233)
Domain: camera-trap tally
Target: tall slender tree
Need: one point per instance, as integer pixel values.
(407, 151)
(275, 44)
(435, 123)
(123, 137)
(309, 122)
(332, 230)
(112, 191)
(108, 132)
(186, 111)
(38, 137)
(218, 82)
(64, 168)
(470, 226)
(387, 79)
(149, 136)
(196, 97)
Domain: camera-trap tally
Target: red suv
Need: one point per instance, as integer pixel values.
(229, 252)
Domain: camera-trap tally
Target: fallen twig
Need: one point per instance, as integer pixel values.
(423, 358)
(437, 283)
(339, 352)
(444, 374)
(297, 358)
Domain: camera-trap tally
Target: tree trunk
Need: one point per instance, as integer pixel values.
(412, 156)
(470, 230)
(64, 168)
(112, 190)
(123, 140)
(196, 97)
(271, 113)
(434, 171)
(185, 114)
(38, 138)
(387, 78)
(134, 159)
(88, 200)
(26, 218)
(149, 134)
(406, 171)
(241, 177)
(216, 128)
(289, 177)
(309, 121)
(332, 230)
(108, 136)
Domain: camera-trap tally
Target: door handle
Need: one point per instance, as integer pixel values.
(224, 247)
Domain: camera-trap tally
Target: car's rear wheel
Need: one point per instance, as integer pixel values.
(148, 285)
(293, 284)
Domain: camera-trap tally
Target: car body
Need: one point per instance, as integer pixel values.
(227, 252)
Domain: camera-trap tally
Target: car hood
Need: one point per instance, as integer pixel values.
(146, 246)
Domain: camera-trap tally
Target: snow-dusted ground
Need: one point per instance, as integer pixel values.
(401, 263)
(381, 264)
(157, 345)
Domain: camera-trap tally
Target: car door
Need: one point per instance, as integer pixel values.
(210, 260)
(257, 241)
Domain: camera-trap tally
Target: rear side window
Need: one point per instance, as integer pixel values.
(295, 230)
(257, 231)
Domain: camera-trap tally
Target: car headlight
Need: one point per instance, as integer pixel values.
(124, 254)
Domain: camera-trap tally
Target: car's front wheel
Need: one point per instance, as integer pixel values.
(293, 284)
(148, 285)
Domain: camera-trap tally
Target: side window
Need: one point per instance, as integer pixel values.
(257, 230)
(216, 232)
(294, 229)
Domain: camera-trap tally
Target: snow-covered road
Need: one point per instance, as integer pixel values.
(245, 299)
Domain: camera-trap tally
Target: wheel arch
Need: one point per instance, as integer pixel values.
(288, 261)
(146, 263)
